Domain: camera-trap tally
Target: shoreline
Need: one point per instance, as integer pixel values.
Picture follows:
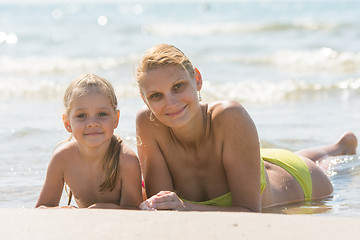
(133, 224)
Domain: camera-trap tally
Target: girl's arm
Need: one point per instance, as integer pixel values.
(131, 187)
(53, 186)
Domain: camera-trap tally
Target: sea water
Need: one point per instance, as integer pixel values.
(294, 65)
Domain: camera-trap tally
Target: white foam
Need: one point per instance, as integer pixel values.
(317, 60)
(271, 92)
(57, 64)
(234, 27)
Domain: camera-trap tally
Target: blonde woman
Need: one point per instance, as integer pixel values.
(200, 156)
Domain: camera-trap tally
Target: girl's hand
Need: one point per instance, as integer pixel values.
(164, 200)
(68, 207)
(45, 207)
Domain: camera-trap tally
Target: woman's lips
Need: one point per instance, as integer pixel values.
(175, 114)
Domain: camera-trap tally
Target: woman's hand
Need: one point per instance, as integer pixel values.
(164, 200)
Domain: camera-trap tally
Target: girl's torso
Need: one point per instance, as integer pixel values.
(84, 179)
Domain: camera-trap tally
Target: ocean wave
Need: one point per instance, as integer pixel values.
(31, 89)
(176, 29)
(287, 90)
(243, 91)
(57, 64)
(323, 59)
(34, 89)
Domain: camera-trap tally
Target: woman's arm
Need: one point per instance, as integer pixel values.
(241, 156)
(153, 165)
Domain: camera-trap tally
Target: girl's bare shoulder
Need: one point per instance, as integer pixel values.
(65, 150)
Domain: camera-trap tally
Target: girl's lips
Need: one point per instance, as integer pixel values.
(93, 134)
(175, 114)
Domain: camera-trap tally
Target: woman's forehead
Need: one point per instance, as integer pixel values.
(168, 74)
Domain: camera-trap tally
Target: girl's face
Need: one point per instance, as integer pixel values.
(171, 94)
(92, 119)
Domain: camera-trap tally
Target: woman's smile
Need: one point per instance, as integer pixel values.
(176, 113)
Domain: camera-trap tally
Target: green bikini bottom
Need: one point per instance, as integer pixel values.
(284, 159)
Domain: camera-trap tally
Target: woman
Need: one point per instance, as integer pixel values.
(207, 156)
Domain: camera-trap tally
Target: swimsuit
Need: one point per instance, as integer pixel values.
(284, 159)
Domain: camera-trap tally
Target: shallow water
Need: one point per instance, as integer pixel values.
(294, 65)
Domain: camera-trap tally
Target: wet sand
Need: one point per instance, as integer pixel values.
(67, 224)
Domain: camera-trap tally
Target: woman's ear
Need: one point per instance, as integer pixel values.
(66, 123)
(198, 79)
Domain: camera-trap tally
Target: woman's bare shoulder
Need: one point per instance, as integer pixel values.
(226, 109)
(143, 113)
(145, 119)
(230, 116)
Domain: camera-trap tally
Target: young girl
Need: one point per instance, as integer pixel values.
(199, 156)
(100, 170)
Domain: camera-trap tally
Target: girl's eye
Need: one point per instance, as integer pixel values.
(102, 114)
(81, 116)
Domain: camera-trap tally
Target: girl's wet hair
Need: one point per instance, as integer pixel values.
(162, 55)
(91, 83)
(85, 84)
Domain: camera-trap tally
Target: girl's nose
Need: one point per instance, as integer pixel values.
(92, 123)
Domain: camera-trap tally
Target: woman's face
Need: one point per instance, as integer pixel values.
(171, 94)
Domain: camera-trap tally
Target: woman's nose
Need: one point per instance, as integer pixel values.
(171, 100)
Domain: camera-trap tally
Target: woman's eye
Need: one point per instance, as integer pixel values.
(155, 95)
(178, 85)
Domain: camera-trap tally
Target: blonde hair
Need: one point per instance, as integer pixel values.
(162, 55)
(90, 83)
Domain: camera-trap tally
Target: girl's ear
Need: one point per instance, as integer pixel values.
(66, 123)
(198, 79)
(117, 119)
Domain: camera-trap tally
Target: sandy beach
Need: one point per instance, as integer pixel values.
(127, 224)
